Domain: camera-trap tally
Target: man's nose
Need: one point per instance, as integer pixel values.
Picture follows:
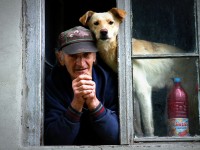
(80, 60)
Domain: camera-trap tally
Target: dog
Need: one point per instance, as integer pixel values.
(148, 74)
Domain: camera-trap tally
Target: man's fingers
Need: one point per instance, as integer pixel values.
(89, 95)
(83, 92)
(83, 83)
(83, 77)
(83, 86)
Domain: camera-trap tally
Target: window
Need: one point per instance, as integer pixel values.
(169, 22)
(37, 28)
(62, 15)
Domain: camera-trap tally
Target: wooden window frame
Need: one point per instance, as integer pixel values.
(33, 30)
(125, 58)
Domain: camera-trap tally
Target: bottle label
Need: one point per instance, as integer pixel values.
(178, 127)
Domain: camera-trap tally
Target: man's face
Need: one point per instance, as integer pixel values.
(80, 63)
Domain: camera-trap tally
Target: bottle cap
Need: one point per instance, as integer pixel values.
(176, 79)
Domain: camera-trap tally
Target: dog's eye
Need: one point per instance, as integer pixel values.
(96, 23)
(111, 22)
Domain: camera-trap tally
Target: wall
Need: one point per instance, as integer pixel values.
(10, 73)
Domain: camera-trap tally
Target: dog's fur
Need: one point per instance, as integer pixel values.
(148, 74)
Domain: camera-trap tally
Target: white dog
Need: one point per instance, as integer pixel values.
(148, 74)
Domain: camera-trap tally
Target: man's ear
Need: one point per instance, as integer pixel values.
(60, 57)
(94, 62)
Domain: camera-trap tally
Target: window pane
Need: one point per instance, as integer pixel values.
(173, 24)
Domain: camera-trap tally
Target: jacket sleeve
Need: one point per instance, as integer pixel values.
(61, 124)
(106, 124)
(105, 117)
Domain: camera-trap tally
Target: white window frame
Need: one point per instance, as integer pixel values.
(33, 62)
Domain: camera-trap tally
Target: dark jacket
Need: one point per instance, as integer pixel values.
(65, 126)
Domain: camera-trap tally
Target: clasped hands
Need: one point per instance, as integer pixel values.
(84, 93)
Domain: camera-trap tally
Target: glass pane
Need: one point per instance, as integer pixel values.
(153, 82)
(171, 23)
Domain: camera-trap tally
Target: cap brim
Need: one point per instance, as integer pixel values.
(80, 47)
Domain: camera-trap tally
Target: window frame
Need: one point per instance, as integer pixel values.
(33, 63)
(124, 69)
(33, 34)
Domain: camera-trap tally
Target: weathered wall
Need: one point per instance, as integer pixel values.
(10, 73)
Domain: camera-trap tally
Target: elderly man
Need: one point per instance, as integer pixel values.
(81, 97)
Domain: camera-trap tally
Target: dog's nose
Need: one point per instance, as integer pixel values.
(104, 32)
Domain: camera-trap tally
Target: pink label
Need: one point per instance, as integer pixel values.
(178, 127)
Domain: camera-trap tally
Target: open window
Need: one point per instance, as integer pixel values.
(62, 15)
(171, 22)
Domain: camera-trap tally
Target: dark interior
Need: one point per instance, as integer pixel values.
(61, 15)
(166, 21)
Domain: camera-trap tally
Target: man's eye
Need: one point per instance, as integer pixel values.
(73, 56)
(86, 54)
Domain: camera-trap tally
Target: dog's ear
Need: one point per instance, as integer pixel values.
(119, 13)
(86, 17)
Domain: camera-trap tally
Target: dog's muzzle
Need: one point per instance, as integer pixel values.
(104, 34)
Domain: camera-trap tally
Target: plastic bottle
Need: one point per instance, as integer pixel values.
(178, 122)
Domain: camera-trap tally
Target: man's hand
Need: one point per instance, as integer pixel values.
(84, 92)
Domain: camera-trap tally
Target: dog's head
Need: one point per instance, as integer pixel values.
(104, 25)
